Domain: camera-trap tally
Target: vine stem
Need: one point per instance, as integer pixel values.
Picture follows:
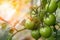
(4, 20)
(36, 39)
(55, 29)
(16, 33)
(56, 34)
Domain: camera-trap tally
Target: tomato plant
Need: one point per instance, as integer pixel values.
(42, 20)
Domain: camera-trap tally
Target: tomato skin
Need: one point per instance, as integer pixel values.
(35, 34)
(29, 24)
(50, 20)
(46, 31)
(51, 7)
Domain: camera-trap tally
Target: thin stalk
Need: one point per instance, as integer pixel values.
(16, 33)
(55, 30)
(36, 39)
(4, 20)
(56, 34)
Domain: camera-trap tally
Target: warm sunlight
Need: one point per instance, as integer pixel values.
(14, 10)
(6, 10)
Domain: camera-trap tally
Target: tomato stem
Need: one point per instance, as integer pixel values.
(36, 39)
(16, 33)
(55, 29)
(56, 34)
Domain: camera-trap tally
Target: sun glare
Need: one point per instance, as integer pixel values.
(14, 10)
(6, 10)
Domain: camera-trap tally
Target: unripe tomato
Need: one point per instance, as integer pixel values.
(46, 31)
(50, 20)
(35, 34)
(52, 6)
(29, 24)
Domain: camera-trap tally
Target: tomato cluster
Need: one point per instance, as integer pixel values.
(42, 19)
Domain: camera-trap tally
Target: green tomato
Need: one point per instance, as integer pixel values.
(51, 7)
(46, 31)
(50, 20)
(35, 34)
(59, 4)
(29, 24)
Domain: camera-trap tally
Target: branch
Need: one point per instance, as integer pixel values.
(16, 33)
(4, 20)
